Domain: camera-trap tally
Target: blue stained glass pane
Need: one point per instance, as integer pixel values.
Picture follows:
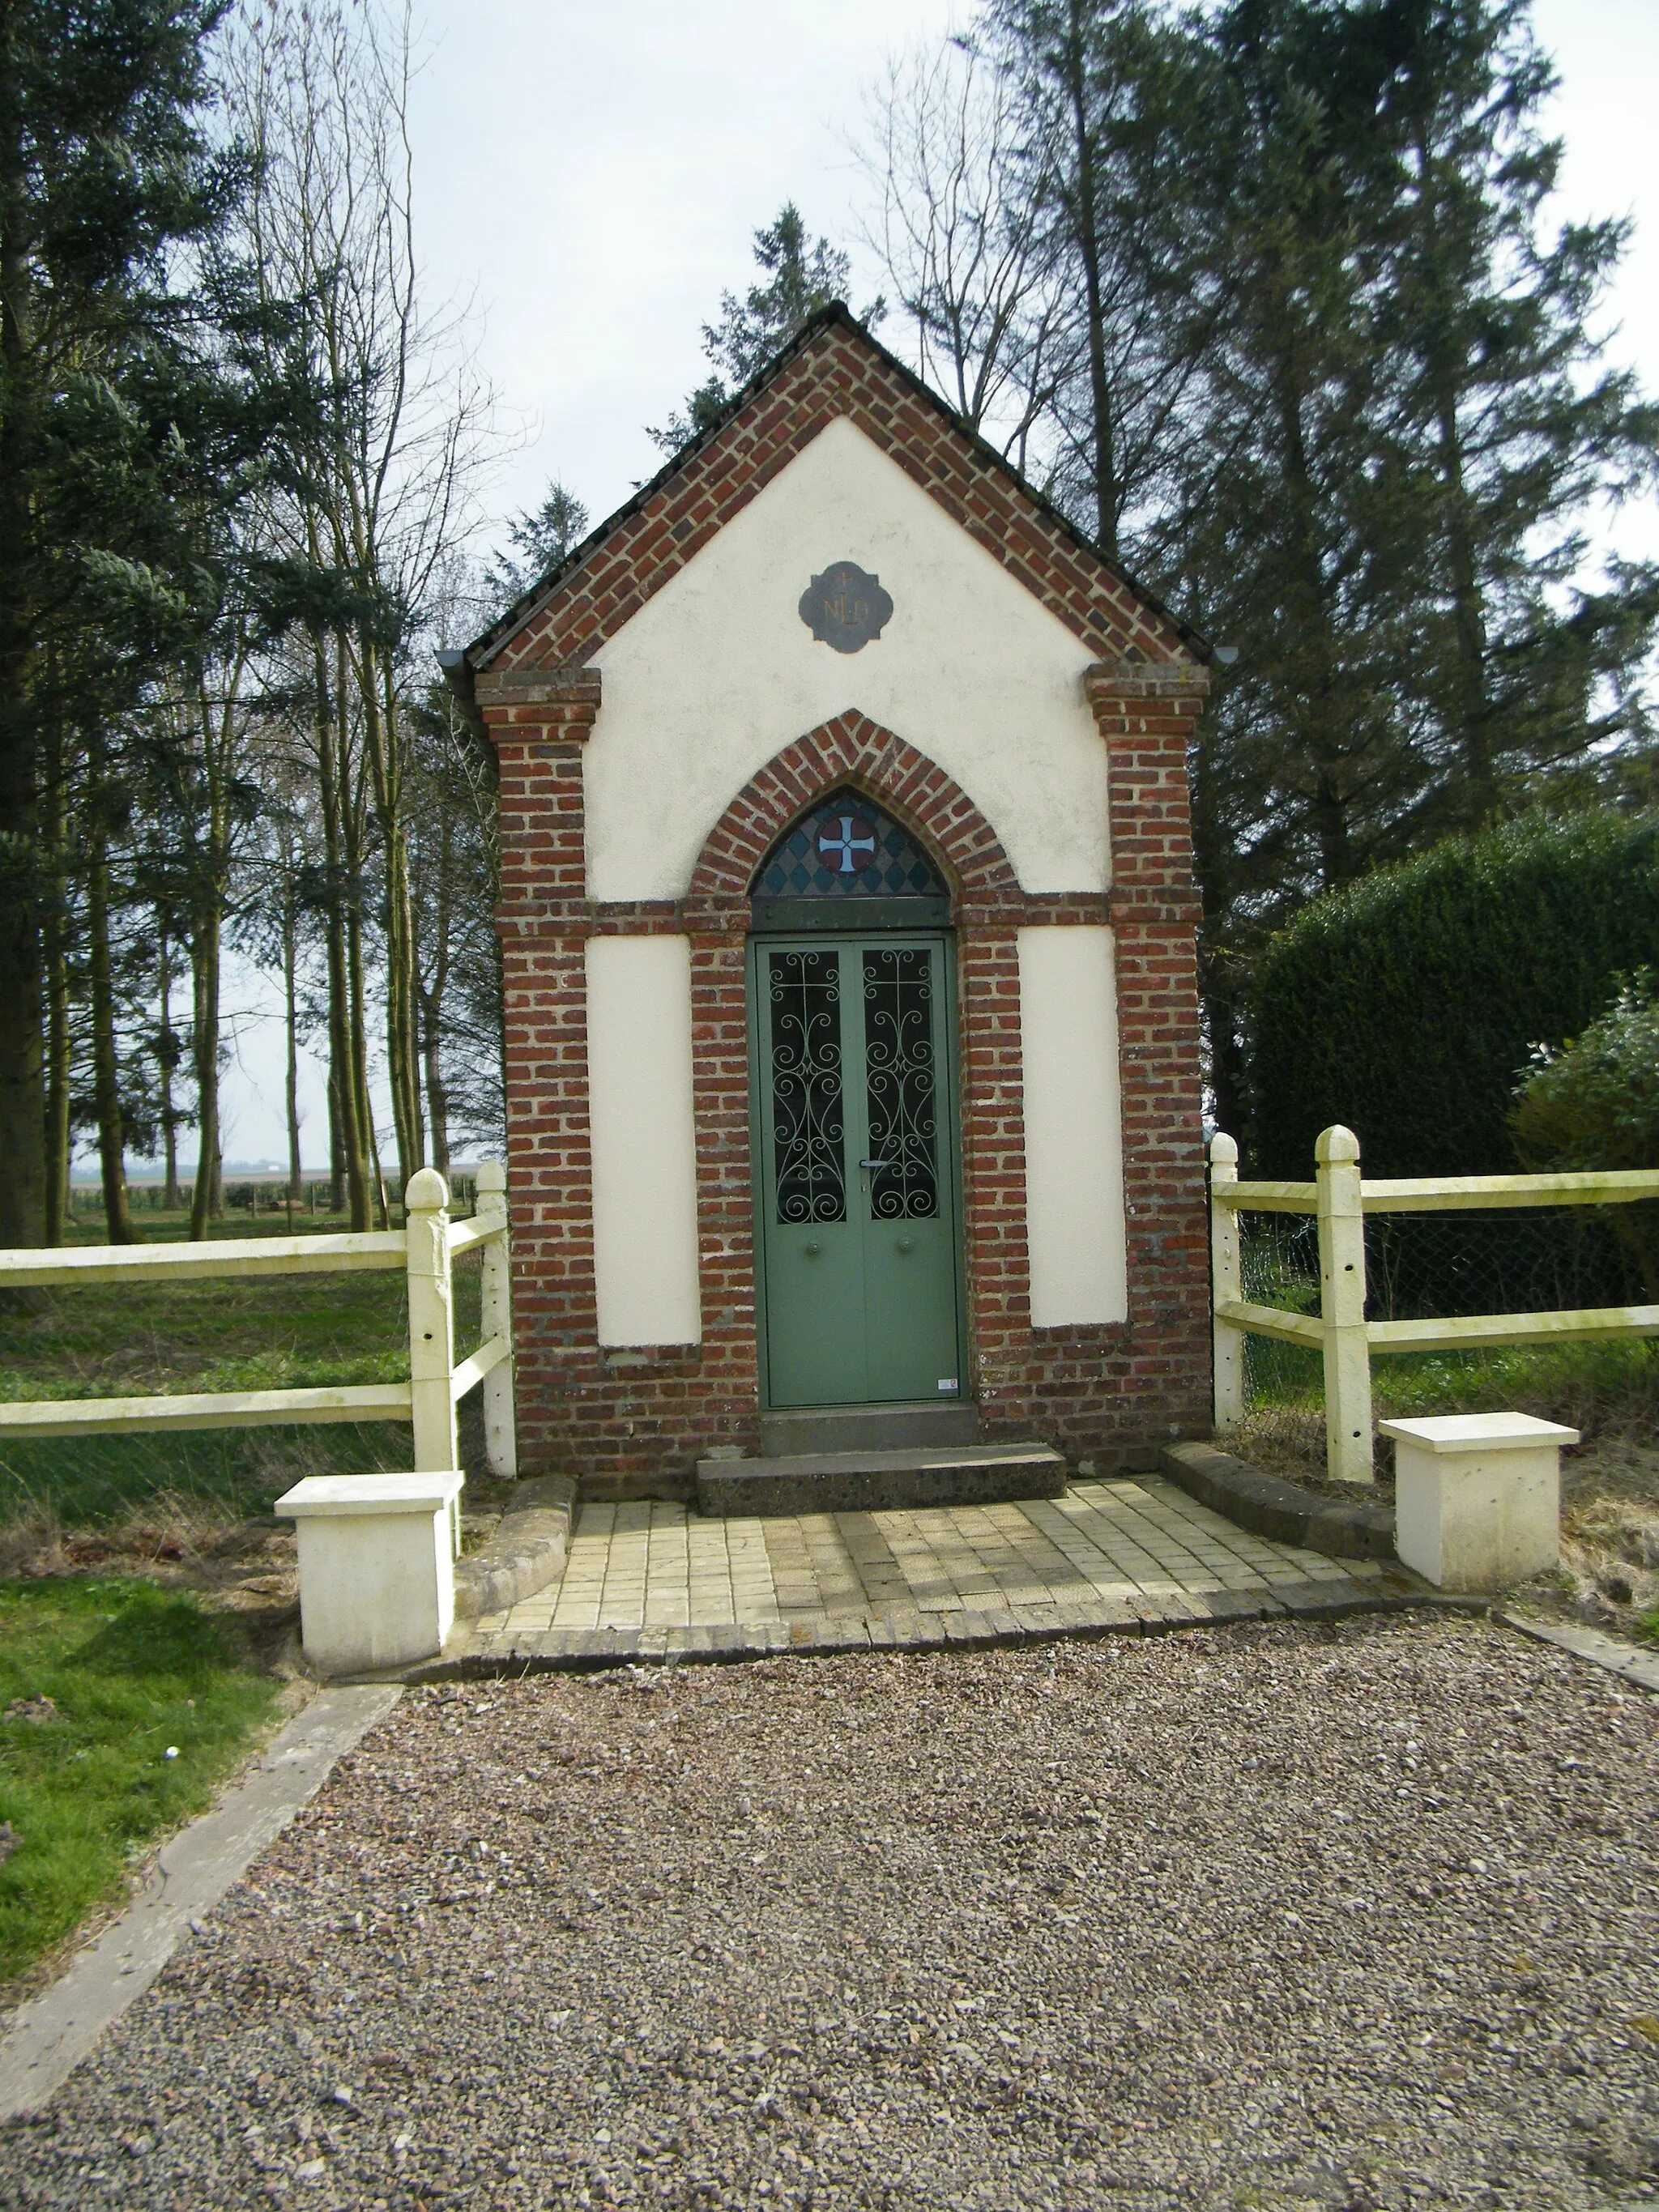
(848, 847)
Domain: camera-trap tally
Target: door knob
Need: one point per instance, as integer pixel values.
(907, 1244)
(813, 1247)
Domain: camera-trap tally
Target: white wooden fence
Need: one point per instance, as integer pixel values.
(1340, 1198)
(426, 1247)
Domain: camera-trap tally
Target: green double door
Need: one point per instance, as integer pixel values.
(857, 1192)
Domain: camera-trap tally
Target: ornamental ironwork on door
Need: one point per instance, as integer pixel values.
(808, 1129)
(859, 1249)
(899, 1082)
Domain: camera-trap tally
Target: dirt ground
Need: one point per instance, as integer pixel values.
(1609, 1573)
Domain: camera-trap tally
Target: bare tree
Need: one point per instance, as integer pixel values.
(955, 220)
(385, 473)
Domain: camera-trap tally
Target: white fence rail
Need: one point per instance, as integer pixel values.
(425, 1247)
(1338, 1198)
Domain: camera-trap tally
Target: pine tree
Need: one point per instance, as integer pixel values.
(1108, 92)
(1522, 663)
(541, 537)
(105, 176)
(803, 280)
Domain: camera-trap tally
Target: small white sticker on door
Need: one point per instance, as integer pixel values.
(947, 1382)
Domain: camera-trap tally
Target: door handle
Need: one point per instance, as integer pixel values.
(872, 1163)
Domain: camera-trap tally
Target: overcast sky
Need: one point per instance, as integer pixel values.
(588, 180)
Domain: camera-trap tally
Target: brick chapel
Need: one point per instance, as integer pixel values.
(848, 931)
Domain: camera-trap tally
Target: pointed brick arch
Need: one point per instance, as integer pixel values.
(852, 750)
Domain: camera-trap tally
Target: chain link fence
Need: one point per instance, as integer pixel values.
(1447, 1263)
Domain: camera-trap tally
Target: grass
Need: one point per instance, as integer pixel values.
(1605, 1384)
(233, 1334)
(85, 1782)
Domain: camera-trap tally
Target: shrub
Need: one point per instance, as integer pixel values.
(1408, 1005)
(1596, 1104)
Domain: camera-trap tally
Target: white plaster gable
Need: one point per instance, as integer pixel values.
(717, 673)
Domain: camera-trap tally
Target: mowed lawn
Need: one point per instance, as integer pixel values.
(121, 1706)
(167, 1338)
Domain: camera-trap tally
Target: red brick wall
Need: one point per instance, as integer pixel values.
(635, 1421)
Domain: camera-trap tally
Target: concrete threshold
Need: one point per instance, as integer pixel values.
(581, 1650)
(879, 1481)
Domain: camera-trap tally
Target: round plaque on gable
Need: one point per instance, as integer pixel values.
(845, 608)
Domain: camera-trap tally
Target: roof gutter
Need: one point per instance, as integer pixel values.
(457, 673)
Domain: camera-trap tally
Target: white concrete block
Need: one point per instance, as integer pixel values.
(1478, 1497)
(377, 1569)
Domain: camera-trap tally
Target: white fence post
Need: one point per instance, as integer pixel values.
(1342, 1307)
(1227, 1281)
(501, 1424)
(431, 1323)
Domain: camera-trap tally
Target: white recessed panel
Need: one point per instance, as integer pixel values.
(1073, 1130)
(644, 1139)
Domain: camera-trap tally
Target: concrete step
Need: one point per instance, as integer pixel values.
(908, 1427)
(879, 1481)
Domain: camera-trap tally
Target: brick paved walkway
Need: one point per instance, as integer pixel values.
(654, 1579)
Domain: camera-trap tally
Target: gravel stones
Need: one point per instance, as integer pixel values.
(1359, 1915)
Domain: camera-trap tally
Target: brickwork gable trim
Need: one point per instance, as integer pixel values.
(832, 367)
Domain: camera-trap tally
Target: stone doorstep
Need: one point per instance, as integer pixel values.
(527, 1551)
(808, 1483)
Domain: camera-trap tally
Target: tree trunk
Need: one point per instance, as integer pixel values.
(337, 1173)
(291, 1019)
(1087, 240)
(167, 1057)
(430, 1000)
(105, 1068)
(379, 1179)
(437, 1097)
(22, 1086)
(1318, 716)
(1471, 711)
(58, 1068)
(362, 1105)
(381, 742)
(207, 1199)
(347, 1161)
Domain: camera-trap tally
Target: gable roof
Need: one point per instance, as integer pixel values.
(832, 367)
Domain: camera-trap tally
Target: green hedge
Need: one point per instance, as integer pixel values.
(1407, 1004)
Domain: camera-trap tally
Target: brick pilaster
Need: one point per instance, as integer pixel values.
(540, 722)
(1145, 713)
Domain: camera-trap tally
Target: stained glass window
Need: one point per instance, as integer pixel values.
(848, 847)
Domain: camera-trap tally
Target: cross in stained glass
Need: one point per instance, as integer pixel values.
(848, 847)
(857, 836)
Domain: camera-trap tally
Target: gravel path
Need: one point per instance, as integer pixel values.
(1269, 1917)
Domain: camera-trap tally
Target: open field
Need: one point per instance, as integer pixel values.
(121, 1706)
(271, 1332)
